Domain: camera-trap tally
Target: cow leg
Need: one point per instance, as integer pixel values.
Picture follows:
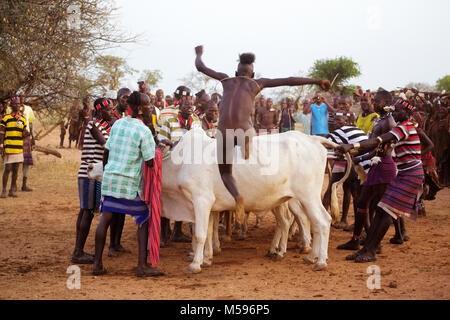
(202, 213)
(302, 220)
(277, 235)
(216, 240)
(208, 250)
(280, 237)
(320, 222)
(244, 227)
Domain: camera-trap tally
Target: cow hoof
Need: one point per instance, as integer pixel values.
(320, 266)
(308, 260)
(188, 258)
(305, 250)
(207, 263)
(217, 251)
(193, 269)
(276, 257)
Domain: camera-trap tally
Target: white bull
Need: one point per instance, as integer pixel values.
(294, 170)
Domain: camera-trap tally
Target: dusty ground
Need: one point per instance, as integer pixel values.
(38, 234)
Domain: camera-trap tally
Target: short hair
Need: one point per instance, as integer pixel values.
(209, 104)
(247, 58)
(385, 95)
(199, 94)
(121, 92)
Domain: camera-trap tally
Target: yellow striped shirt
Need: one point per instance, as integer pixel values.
(13, 128)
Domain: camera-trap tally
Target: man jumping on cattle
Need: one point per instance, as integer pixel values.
(236, 109)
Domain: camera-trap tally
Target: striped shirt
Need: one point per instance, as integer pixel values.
(92, 151)
(350, 135)
(172, 130)
(407, 152)
(13, 125)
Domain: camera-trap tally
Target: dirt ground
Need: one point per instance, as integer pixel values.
(38, 235)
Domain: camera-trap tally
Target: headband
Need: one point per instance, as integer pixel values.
(404, 104)
(104, 103)
(15, 99)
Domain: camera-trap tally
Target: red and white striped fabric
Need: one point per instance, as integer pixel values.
(152, 196)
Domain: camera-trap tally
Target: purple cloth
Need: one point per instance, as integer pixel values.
(382, 172)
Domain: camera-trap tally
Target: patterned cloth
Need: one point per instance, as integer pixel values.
(152, 197)
(407, 151)
(383, 172)
(27, 152)
(89, 193)
(13, 126)
(173, 131)
(136, 208)
(130, 144)
(365, 123)
(401, 195)
(348, 135)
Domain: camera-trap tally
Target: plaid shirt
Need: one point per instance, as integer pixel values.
(172, 130)
(130, 144)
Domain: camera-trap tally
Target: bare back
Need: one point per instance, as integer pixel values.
(237, 105)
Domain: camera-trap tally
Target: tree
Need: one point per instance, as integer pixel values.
(345, 69)
(443, 84)
(111, 70)
(197, 81)
(151, 77)
(48, 49)
(421, 86)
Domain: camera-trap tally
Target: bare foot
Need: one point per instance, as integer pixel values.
(147, 271)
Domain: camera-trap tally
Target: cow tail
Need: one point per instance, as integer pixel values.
(335, 212)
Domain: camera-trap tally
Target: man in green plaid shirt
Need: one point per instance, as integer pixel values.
(133, 144)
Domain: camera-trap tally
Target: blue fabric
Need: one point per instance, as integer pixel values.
(319, 121)
(137, 208)
(89, 192)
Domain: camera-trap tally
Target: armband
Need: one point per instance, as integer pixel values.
(380, 140)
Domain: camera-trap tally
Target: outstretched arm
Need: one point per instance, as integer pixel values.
(204, 69)
(292, 81)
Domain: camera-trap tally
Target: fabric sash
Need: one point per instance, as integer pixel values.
(152, 196)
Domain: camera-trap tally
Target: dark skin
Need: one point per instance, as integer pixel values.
(10, 167)
(169, 100)
(85, 216)
(382, 219)
(143, 269)
(350, 186)
(211, 115)
(374, 193)
(201, 101)
(268, 117)
(122, 105)
(236, 109)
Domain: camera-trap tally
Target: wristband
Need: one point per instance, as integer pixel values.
(356, 146)
(380, 140)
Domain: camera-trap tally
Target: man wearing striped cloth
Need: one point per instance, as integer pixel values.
(13, 129)
(172, 129)
(345, 134)
(400, 197)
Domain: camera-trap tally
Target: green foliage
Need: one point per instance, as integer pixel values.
(111, 70)
(344, 67)
(443, 84)
(151, 77)
(48, 49)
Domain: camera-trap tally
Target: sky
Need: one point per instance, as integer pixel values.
(394, 42)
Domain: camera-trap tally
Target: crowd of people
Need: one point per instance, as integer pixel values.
(399, 140)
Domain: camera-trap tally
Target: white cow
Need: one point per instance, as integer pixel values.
(191, 191)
